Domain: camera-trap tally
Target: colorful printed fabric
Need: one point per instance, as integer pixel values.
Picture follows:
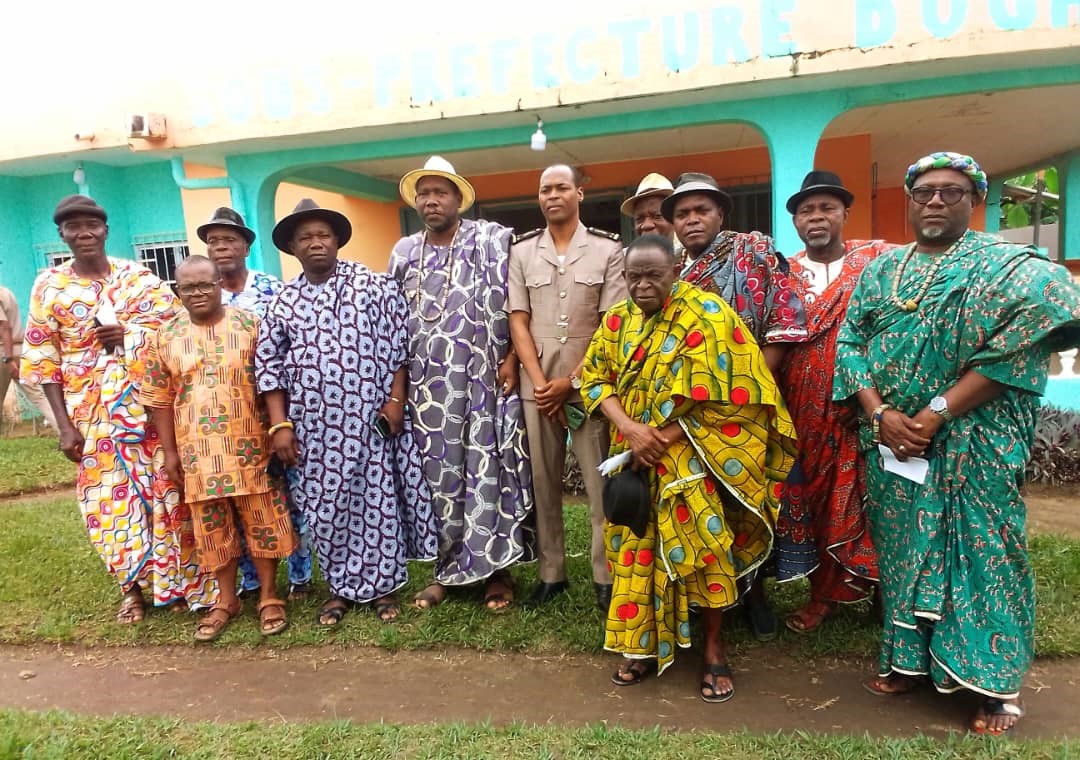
(255, 297)
(822, 530)
(333, 348)
(472, 437)
(716, 492)
(956, 582)
(259, 289)
(132, 513)
(261, 518)
(746, 271)
(206, 374)
(945, 160)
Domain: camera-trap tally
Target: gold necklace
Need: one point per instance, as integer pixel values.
(420, 275)
(912, 304)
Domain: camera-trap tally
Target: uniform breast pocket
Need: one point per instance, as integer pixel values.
(539, 285)
(587, 287)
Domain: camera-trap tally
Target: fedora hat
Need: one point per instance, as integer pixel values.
(78, 204)
(820, 182)
(696, 182)
(436, 166)
(226, 217)
(627, 501)
(651, 185)
(309, 209)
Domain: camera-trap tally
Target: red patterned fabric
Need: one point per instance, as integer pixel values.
(827, 511)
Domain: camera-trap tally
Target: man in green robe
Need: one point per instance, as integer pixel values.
(945, 347)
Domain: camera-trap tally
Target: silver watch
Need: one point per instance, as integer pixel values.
(939, 406)
(575, 382)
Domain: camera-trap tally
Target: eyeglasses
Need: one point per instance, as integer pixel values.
(202, 288)
(950, 195)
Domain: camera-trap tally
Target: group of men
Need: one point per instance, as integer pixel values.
(425, 414)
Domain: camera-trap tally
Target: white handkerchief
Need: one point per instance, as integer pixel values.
(912, 468)
(611, 464)
(106, 313)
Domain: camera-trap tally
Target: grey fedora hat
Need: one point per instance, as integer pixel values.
(696, 182)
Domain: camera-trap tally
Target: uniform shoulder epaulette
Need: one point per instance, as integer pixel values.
(604, 233)
(526, 235)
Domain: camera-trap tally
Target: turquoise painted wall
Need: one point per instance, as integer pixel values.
(140, 200)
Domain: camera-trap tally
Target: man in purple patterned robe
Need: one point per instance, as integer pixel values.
(463, 376)
(331, 365)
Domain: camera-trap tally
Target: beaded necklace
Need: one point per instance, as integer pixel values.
(446, 284)
(912, 304)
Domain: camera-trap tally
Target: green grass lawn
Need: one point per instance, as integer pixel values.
(55, 735)
(32, 463)
(55, 589)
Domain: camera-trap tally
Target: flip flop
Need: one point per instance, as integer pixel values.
(723, 671)
(992, 707)
(884, 686)
(639, 673)
(271, 624)
(299, 592)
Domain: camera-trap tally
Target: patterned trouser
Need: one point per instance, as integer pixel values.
(299, 562)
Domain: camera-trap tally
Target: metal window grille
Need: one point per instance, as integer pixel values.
(51, 255)
(162, 257)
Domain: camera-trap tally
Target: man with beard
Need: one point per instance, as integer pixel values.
(822, 531)
(747, 272)
(945, 347)
(463, 378)
(562, 279)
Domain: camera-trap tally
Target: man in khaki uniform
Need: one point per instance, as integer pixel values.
(11, 339)
(562, 279)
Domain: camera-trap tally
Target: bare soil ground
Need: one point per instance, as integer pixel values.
(369, 685)
(1054, 509)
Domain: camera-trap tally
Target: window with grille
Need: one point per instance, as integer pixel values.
(162, 257)
(57, 258)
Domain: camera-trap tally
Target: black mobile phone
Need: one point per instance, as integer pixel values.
(382, 427)
(274, 468)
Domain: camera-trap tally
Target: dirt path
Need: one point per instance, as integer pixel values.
(368, 685)
(1054, 509)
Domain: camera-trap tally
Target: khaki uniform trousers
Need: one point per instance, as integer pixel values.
(33, 393)
(547, 450)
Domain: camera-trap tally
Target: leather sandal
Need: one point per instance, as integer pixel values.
(216, 621)
(640, 669)
(271, 623)
(721, 670)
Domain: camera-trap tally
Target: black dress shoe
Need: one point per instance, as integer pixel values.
(545, 592)
(603, 596)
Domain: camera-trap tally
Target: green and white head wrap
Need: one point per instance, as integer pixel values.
(966, 165)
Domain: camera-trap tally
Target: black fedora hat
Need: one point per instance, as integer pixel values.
(696, 182)
(309, 209)
(820, 182)
(627, 501)
(226, 217)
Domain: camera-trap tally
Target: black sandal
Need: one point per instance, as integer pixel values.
(333, 608)
(386, 609)
(646, 668)
(716, 669)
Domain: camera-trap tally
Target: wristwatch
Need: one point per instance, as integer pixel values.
(575, 382)
(5, 359)
(939, 406)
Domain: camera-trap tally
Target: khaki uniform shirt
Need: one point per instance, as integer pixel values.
(565, 301)
(9, 312)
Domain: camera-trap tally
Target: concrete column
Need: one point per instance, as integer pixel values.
(1069, 208)
(993, 206)
(255, 179)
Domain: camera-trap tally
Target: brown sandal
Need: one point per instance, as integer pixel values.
(891, 685)
(269, 622)
(216, 621)
(132, 608)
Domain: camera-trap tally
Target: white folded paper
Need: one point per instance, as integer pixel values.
(611, 464)
(912, 468)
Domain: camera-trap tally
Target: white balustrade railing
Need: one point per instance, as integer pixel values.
(1068, 362)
